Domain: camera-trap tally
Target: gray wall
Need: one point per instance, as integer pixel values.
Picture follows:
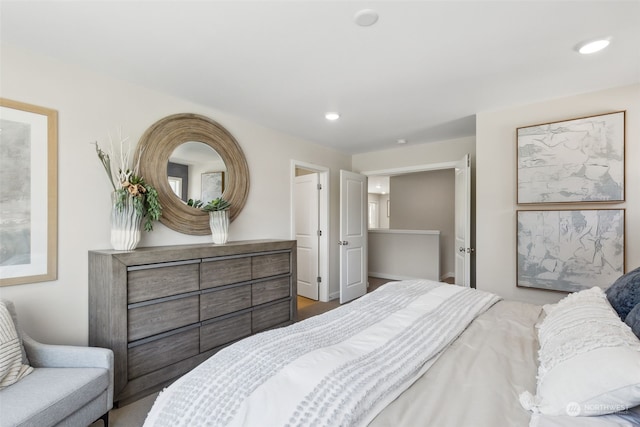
(426, 201)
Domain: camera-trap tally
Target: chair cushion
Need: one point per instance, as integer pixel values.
(11, 367)
(49, 395)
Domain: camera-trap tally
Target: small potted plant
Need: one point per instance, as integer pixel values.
(218, 218)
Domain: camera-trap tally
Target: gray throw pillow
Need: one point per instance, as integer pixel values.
(624, 294)
(633, 320)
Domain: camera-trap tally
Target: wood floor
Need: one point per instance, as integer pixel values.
(308, 307)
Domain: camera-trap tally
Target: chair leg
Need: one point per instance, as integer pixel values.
(105, 419)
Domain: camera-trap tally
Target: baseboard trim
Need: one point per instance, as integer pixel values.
(393, 276)
(447, 275)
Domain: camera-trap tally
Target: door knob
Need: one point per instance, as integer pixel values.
(343, 242)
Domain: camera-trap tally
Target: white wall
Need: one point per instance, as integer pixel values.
(415, 154)
(404, 254)
(496, 183)
(426, 201)
(89, 105)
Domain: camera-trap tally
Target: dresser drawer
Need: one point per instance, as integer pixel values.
(271, 315)
(270, 265)
(162, 352)
(270, 290)
(152, 319)
(157, 282)
(224, 301)
(224, 272)
(224, 331)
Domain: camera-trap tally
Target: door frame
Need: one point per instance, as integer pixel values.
(324, 209)
(419, 168)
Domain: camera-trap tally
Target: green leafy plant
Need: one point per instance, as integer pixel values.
(218, 204)
(195, 203)
(127, 183)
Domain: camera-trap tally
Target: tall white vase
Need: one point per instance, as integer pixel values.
(125, 224)
(219, 224)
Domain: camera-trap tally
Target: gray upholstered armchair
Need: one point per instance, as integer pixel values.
(70, 386)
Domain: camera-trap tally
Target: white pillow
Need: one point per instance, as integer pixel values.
(11, 367)
(589, 359)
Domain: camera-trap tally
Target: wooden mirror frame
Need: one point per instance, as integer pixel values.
(157, 145)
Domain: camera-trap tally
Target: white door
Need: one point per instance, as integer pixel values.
(307, 218)
(463, 222)
(353, 236)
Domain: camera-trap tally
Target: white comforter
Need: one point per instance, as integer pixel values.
(338, 369)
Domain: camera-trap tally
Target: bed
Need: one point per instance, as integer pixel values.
(411, 353)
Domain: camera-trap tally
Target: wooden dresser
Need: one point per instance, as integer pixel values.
(164, 310)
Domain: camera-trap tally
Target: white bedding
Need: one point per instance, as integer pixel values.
(341, 368)
(477, 381)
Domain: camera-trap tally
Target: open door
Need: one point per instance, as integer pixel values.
(463, 248)
(353, 236)
(307, 227)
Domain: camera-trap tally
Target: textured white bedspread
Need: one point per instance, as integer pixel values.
(338, 369)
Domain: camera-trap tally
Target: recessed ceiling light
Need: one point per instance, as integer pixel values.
(593, 46)
(332, 116)
(401, 141)
(366, 17)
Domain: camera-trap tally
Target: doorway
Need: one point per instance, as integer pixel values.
(462, 211)
(310, 227)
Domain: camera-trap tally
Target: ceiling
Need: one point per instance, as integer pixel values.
(421, 73)
(378, 184)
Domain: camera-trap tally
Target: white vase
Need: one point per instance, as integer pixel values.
(125, 224)
(219, 224)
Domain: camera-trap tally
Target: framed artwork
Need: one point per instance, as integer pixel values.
(579, 160)
(28, 193)
(212, 186)
(570, 250)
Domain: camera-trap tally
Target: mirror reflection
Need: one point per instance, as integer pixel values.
(196, 171)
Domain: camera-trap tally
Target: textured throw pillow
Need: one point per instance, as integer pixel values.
(14, 317)
(589, 359)
(633, 320)
(624, 294)
(11, 367)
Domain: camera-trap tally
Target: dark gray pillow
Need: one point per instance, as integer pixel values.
(633, 320)
(624, 294)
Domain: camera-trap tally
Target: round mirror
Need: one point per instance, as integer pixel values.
(175, 138)
(196, 172)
